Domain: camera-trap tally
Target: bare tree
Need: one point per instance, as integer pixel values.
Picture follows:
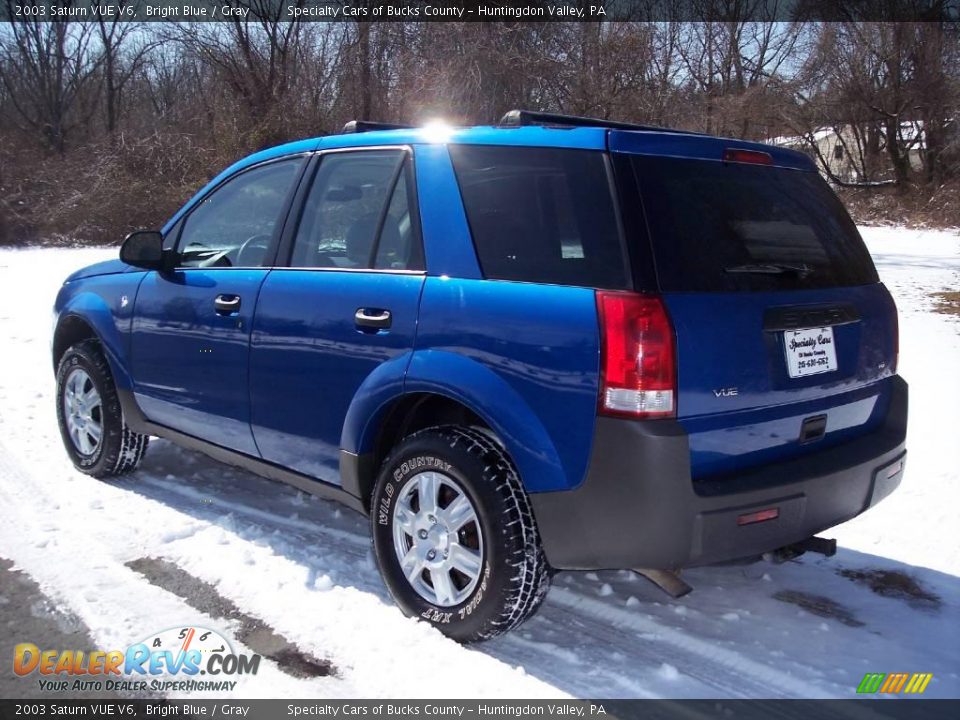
(736, 60)
(891, 86)
(48, 70)
(257, 58)
(116, 36)
(192, 97)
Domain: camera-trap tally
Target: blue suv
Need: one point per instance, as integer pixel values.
(555, 343)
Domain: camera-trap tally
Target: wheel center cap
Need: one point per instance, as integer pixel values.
(438, 538)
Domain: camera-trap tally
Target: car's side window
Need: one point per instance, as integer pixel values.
(358, 214)
(233, 226)
(170, 239)
(399, 247)
(566, 231)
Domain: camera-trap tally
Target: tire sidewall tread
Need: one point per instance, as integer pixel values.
(120, 449)
(514, 577)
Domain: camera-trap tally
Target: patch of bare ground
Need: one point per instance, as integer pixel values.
(819, 605)
(893, 584)
(946, 302)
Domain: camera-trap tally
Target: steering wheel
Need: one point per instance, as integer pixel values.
(257, 242)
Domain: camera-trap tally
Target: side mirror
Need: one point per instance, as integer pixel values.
(143, 249)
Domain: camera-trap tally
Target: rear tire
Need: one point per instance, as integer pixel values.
(92, 426)
(454, 534)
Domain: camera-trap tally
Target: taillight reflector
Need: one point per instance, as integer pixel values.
(753, 157)
(759, 516)
(638, 367)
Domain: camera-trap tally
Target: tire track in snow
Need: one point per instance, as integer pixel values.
(359, 630)
(648, 649)
(731, 672)
(728, 672)
(26, 615)
(261, 638)
(252, 514)
(117, 604)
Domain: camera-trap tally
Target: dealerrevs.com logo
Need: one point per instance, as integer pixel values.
(181, 659)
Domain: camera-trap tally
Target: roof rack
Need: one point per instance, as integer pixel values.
(361, 126)
(520, 118)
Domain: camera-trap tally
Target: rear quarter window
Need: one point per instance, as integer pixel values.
(541, 215)
(718, 226)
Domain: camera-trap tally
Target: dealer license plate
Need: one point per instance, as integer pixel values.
(810, 351)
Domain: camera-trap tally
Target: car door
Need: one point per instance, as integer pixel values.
(191, 328)
(346, 304)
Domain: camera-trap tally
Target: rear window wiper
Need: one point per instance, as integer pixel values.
(770, 269)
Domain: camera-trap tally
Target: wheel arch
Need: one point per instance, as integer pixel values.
(87, 316)
(445, 388)
(70, 330)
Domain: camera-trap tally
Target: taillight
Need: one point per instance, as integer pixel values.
(637, 364)
(751, 157)
(895, 320)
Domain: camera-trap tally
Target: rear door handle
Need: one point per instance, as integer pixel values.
(227, 304)
(372, 318)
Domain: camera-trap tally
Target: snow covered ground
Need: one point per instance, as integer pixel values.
(888, 602)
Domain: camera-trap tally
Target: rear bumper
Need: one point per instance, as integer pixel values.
(622, 518)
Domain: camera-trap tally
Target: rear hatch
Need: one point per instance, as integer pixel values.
(784, 333)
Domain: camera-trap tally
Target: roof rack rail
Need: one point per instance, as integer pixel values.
(361, 126)
(520, 118)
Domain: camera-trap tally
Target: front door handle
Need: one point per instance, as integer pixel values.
(227, 304)
(372, 318)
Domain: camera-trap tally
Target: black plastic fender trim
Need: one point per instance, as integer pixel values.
(137, 422)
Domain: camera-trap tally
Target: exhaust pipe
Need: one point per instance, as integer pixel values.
(666, 580)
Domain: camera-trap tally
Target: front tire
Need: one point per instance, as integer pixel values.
(92, 426)
(454, 534)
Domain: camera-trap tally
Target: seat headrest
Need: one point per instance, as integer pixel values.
(359, 239)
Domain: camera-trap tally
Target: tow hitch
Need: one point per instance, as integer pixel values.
(822, 546)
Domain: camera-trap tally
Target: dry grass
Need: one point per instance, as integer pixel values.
(915, 206)
(947, 302)
(98, 193)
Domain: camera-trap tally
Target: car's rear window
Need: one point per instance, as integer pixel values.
(542, 215)
(717, 226)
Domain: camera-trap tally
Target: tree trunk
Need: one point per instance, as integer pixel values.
(366, 84)
(898, 160)
(111, 90)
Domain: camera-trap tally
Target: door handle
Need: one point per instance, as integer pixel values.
(227, 304)
(372, 318)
